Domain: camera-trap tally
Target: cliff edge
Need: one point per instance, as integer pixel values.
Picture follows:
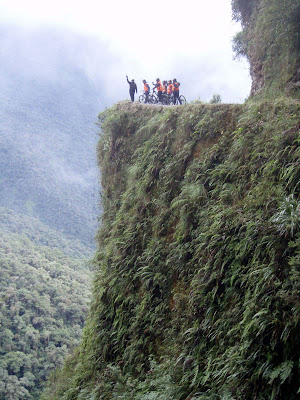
(196, 293)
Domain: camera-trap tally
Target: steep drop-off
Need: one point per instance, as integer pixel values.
(47, 111)
(196, 293)
(44, 294)
(196, 290)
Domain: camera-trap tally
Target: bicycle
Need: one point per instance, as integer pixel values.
(152, 99)
(164, 97)
(181, 100)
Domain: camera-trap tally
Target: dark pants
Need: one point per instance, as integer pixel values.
(147, 97)
(164, 98)
(176, 96)
(159, 95)
(132, 94)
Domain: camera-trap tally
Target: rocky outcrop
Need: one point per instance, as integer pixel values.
(272, 43)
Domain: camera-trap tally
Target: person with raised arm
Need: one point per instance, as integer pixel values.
(132, 88)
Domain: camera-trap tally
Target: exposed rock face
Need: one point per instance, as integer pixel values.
(272, 43)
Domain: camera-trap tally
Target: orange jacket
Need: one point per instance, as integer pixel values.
(170, 88)
(165, 88)
(146, 87)
(159, 86)
(176, 86)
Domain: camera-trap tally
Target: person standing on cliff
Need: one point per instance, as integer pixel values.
(132, 88)
(170, 88)
(159, 88)
(176, 91)
(146, 90)
(165, 87)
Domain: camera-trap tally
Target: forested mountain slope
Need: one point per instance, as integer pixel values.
(41, 235)
(44, 286)
(48, 202)
(48, 107)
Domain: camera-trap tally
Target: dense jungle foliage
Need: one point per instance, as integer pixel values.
(271, 42)
(196, 294)
(44, 294)
(41, 234)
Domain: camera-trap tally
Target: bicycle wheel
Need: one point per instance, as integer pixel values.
(152, 99)
(176, 101)
(182, 99)
(171, 100)
(142, 98)
(165, 99)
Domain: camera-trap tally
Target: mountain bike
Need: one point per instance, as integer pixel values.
(155, 99)
(152, 99)
(181, 100)
(164, 97)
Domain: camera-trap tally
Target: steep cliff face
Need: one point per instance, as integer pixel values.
(271, 42)
(197, 273)
(196, 291)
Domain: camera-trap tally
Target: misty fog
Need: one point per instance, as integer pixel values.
(53, 85)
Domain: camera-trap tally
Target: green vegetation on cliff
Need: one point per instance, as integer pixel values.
(271, 42)
(196, 293)
(196, 290)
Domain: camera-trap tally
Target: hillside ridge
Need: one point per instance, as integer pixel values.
(196, 285)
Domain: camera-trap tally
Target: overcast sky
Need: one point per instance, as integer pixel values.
(187, 39)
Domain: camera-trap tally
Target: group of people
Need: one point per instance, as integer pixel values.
(166, 87)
